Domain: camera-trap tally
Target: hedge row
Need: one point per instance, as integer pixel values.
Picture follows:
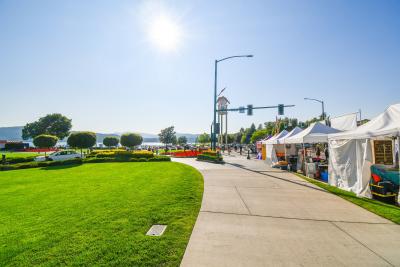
(34, 164)
(210, 158)
(18, 160)
(124, 154)
(119, 159)
(210, 153)
(37, 164)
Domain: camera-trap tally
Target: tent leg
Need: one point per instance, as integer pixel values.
(398, 152)
(285, 153)
(304, 160)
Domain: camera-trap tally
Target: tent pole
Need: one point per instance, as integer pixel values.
(398, 152)
(304, 159)
(285, 152)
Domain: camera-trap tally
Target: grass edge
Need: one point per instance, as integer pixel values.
(377, 207)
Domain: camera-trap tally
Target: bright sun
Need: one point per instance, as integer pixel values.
(165, 33)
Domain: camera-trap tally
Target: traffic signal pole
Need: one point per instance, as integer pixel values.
(243, 108)
(213, 134)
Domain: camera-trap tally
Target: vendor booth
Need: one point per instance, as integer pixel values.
(262, 146)
(365, 160)
(273, 150)
(311, 159)
(290, 150)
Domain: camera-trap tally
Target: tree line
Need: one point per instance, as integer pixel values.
(253, 134)
(47, 130)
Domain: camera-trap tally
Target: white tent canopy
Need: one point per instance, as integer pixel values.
(315, 133)
(274, 139)
(350, 152)
(270, 146)
(385, 124)
(293, 132)
(346, 122)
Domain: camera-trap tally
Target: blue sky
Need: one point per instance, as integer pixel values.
(95, 61)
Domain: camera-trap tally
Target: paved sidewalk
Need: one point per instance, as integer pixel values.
(252, 215)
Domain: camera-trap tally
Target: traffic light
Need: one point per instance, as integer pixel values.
(249, 110)
(281, 108)
(217, 128)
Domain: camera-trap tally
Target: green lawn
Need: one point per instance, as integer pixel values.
(19, 154)
(387, 211)
(98, 214)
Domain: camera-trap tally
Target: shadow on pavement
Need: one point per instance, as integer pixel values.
(265, 173)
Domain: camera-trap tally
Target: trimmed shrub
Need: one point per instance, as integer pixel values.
(34, 164)
(160, 158)
(210, 153)
(45, 141)
(19, 160)
(82, 140)
(131, 140)
(210, 158)
(14, 146)
(125, 154)
(110, 141)
(104, 160)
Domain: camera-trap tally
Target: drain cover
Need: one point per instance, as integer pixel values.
(156, 230)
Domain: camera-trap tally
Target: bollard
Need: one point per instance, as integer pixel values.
(248, 154)
(3, 159)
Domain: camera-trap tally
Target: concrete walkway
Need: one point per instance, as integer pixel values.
(252, 215)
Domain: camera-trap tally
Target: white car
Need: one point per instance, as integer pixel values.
(60, 155)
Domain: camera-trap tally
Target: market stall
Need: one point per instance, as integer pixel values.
(273, 149)
(261, 148)
(290, 150)
(311, 143)
(367, 157)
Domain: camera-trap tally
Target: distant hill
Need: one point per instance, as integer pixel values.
(15, 133)
(11, 133)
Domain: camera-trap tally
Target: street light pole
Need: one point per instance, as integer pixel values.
(320, 101)
(214, 135)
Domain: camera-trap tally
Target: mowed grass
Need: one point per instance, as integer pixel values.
(19, 154)
(390, 212)
(98, 214)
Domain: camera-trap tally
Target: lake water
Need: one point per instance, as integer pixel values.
(63, 143)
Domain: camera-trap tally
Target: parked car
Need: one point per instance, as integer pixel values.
(60, 155)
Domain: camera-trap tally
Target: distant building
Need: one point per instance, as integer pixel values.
(3, 144)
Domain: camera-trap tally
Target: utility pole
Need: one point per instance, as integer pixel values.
(214, 135)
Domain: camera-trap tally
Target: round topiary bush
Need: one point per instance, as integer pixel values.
(110, 141)
(45, 141)
(131, 140)
(82, 140)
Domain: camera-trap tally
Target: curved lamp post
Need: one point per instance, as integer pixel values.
(320, 101)
(214, 135)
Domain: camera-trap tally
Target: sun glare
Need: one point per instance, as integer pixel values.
(165, 33)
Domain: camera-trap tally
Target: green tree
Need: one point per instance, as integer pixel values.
(131, 140)
(51, 124)
(110, 141)
(248, 133)
(175, 140)
(258, 135)
(81, 140)
(167, 136)
(203, 139)
(182, 140)
(45, 141)
(231, 138)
